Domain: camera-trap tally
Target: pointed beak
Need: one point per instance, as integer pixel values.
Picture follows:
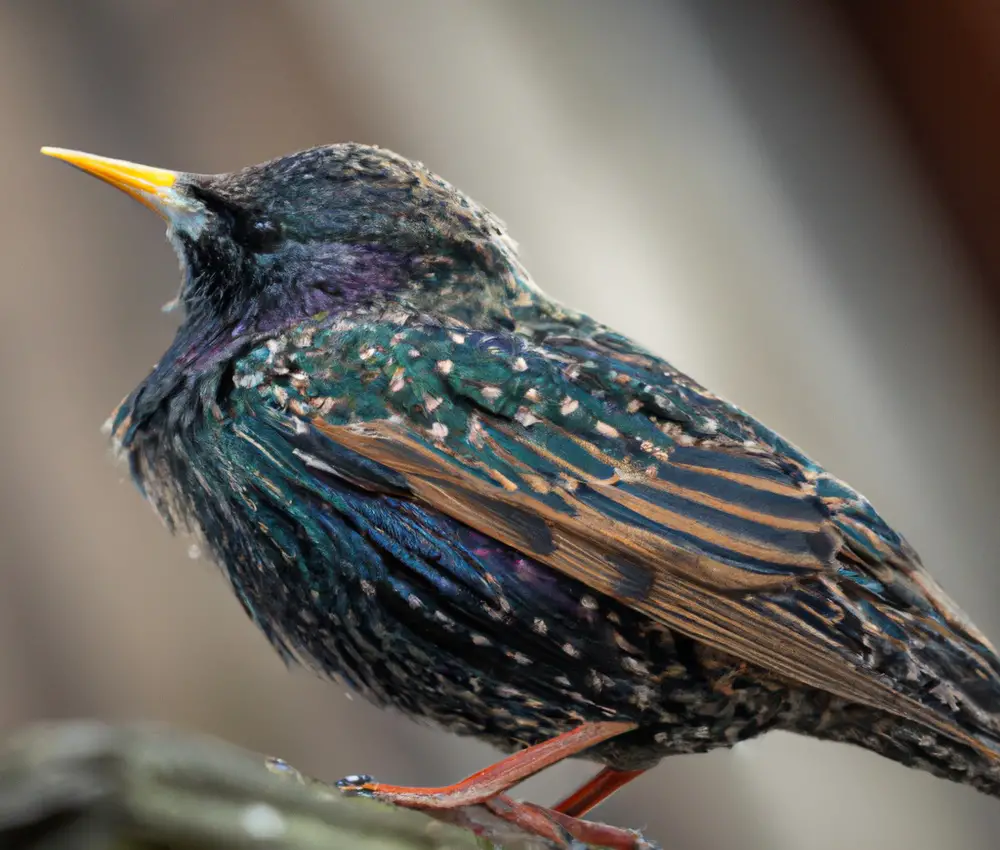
(153, 187)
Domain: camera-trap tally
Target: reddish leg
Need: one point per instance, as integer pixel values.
(493, 780)
(596, 791)
(556, 826)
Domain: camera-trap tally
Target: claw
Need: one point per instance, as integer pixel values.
(357, 785)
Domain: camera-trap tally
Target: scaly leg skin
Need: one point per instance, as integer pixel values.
(493, 780)
(554, 827)
(487, 788)
(596, 791)
(567, 814)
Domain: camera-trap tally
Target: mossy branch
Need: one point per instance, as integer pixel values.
(147, 787)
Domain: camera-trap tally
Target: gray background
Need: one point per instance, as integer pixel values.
(724, 184)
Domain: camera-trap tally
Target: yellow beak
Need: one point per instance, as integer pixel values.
(153, 187)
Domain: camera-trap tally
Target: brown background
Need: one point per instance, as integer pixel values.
(754, 193)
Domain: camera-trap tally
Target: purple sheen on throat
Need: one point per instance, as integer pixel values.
(326, 277)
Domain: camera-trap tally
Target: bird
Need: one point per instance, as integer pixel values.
(427, 479)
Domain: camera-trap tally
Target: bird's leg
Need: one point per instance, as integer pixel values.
(492, 780)
(596, 791)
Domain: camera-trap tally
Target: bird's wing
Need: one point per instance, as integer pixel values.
(601, 461)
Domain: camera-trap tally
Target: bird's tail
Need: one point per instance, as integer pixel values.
(916, 746)
(950, 668)
(917, 643)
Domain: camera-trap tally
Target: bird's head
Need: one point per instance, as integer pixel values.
(331, 228)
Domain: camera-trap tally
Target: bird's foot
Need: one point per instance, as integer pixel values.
(556, 829)
(563, 830)
(484, 795)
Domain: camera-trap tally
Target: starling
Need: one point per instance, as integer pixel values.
(426, 478)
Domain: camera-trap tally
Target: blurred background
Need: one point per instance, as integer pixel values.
(797, 201)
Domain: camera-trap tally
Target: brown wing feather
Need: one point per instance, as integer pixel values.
(699, 597)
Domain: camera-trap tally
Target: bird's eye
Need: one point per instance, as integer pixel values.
(261, 235)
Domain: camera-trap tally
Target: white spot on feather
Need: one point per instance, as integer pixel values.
(526, 417)
(635, 667)
(642, 696)
(606, 430)
(568, 406)
(249, 379)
